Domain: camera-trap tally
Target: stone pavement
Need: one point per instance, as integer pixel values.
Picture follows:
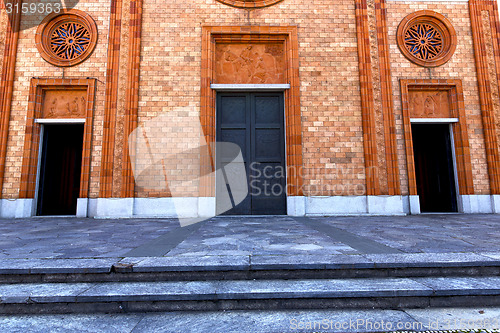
(56, 245)
(37, 238)
(407, 320)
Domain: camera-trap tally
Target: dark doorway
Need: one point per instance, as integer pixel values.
(434, 167)
(255, 122)
(60, 169)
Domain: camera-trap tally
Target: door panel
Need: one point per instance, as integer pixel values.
(233, 111)
(434, 168)
(261, 139)
(268, 110)
(267, 145)
(60, 170)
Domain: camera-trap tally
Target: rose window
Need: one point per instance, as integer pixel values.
(70, 40)
(423, 41)
(67, 38)
(426, 38)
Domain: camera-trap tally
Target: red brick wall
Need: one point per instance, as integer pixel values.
(170, 75)
(29, 64)
(329, 76)
(461, 66)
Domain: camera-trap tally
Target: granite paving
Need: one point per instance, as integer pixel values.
(254, 240)
(258, 236)
(431, 233)
(240, 290)
(65, 237)
(429, 320)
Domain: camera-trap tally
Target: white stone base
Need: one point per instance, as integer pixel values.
(206, 207)
(296, 206)
(385, 205)
(82, 207)
(109, 208)
(17, 208)
(413, 204)
(192, 210)
(471, 204)
(188, 210)
(495, 203)
(355, 205)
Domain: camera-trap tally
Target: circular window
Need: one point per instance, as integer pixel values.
(427, 38)
(66, 38)
(249, 3)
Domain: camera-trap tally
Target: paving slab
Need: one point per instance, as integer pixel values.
(427, 233)
(43, 292)
(438, 239)
(262, 262)
(272, 321)
(457, 318)
(494, 255)
(54, 266)
(361, 244)
(258, 321)
(69, 237)
(258, 236)
(431, 259)
(149, 291)
(388, 287)
(444, 286)
(179, 264)
(70, 323)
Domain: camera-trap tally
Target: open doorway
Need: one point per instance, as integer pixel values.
(60, 169)
(434, 168)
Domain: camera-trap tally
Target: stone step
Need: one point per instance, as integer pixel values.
(393, 293)
(189, 268)
(459, 320)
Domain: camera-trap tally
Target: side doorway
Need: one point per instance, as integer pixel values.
(434, 168)
(255, 122)
(60, 169)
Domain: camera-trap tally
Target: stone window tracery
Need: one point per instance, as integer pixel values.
(426, 38)
(66, 38)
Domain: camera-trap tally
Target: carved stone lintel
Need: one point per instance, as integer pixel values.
(64, 104)
(250, 63)
(429, 104)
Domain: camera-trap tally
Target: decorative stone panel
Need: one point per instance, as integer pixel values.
(250, 63)
(249, 3)
(429, 104)
(485, 30)
(64, 103)
(66, 38)
(376, 100)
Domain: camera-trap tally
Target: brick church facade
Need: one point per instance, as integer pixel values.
(345, 107)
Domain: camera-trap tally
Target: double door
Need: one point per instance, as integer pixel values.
(255, 122)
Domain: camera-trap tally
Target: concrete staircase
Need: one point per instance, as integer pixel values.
(248, 283)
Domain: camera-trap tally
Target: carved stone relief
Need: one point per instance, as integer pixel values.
(249, 3)
(249, 63)
(429, 104)
(64, 104)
